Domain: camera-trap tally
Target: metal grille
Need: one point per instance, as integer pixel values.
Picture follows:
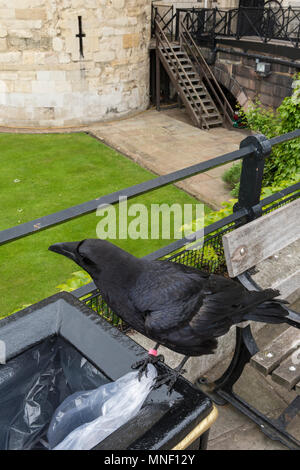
(281, 203)
(208, 257)
(95, 301)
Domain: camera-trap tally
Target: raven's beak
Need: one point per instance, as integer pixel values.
(68, 249)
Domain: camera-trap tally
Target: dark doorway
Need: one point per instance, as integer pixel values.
(167, 94)
(250, 17)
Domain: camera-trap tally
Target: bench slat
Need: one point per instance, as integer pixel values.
(281, 271)
(268, 359)
(255, 241)
(288, 373)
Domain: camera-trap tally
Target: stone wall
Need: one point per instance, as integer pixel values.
(199, 3)
(238, 75)
(43, 79)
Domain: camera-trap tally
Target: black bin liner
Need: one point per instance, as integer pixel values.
(33, 385)
(58, 347)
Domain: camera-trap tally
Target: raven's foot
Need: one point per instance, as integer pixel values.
(170, 378)
(142, 365)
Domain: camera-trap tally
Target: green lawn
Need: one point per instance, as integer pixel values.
(42, 174)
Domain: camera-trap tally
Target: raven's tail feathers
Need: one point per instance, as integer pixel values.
(270, 311)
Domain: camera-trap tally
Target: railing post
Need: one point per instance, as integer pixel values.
(177, 24)
(252, 174)
(239, 22)
(298, 36)
(214, 23)
(172, 25)
(157, 71)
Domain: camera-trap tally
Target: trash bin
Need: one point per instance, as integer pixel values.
(59, 346)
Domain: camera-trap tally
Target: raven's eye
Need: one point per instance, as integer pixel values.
(86, 260)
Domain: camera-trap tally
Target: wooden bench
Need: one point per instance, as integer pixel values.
(265, 253)
(271, 245)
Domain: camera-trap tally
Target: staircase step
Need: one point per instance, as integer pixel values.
(217, 122)
(196, 103)
(200, 95)
(188, 71)
(193, 80)
(187, 67)
(213, 115)
(178, 54)
(189, 74)
(184, 63)
(197, 88)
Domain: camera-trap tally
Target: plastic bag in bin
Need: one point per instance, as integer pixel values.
(86, 418)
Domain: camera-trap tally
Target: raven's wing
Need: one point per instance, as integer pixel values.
(226, 302)
(168, 295)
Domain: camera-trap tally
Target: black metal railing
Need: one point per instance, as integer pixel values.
(265, 24)
(209, 251)
(164, 15)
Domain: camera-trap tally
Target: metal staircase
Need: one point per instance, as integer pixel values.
(186, 68)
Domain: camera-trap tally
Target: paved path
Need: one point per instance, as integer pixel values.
(166, 141)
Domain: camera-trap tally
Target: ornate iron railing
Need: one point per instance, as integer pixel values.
(265, 24)
(164, 15)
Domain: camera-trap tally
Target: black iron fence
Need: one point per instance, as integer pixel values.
(208, 253)
(164, 15)
(265, 24)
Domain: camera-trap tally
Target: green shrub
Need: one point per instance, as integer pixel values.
(283, 165)
(232, 175)
(284, 161)
(78, 279)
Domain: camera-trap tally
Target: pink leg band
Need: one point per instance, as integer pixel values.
(152, 352)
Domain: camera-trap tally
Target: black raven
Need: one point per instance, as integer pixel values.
(177, 306)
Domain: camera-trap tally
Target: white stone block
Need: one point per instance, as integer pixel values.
(63, 87)
(64, 58)
(104, 56)
(57, 44)
(16, 99)
(8, 76)
(43, 75)
(3, 99)
(58, 75)
(43, 86)
(10, 57)
(5, 12)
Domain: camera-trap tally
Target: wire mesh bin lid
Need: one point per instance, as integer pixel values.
(62, 327)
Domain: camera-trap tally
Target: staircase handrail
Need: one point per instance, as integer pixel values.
(224, 103)
(159, 32)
